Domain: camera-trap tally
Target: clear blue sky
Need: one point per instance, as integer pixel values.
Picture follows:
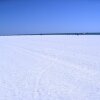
(41, 16)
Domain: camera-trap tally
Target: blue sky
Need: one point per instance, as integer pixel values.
(46, 16)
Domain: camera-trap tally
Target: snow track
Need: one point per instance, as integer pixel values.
(50, 68)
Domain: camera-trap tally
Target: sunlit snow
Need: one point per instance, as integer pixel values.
(50, 67)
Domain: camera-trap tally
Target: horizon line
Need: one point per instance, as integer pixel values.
(73, 33)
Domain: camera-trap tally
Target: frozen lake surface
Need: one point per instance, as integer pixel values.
(50, 67)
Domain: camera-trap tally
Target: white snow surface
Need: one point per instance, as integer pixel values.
(50, 67)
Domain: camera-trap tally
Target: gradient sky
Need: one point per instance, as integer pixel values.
(42, 16)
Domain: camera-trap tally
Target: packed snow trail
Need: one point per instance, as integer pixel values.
(49, 68)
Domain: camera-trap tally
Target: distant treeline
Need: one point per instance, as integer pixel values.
(95, 33)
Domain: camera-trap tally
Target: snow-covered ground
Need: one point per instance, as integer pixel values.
(50, 67)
